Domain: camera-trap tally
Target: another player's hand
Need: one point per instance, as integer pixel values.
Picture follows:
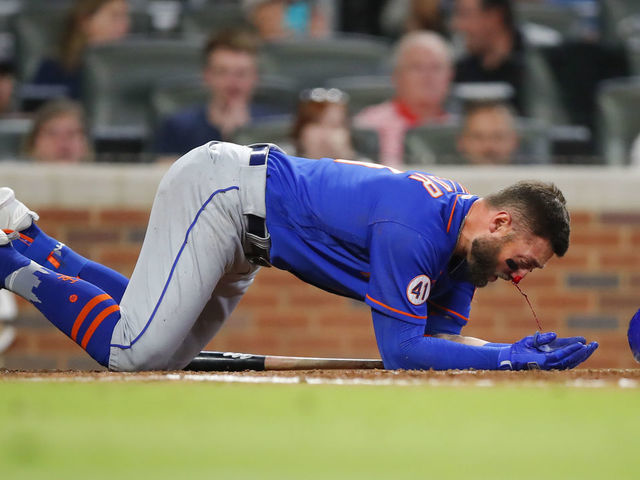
(545, 351)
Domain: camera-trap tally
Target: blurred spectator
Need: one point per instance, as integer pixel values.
(231, 76)
(321, 127)
(426, 15)
(89, 23)
(422, 73)
(361, 16)
(7, 85)
(58, 134)
(495, 47)
(402, 16)
(489, 135)
(8, 312)
(282, 19)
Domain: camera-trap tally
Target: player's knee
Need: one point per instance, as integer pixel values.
(138, 360)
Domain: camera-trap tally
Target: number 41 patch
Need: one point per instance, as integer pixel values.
(418, 289)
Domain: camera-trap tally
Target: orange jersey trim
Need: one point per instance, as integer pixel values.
(394, 309)
(84, 312)
(96, 323)
(453, 209)
(448, 310)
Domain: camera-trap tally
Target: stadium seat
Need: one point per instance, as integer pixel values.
(535, 142)
(203, 21)
(560, 18)
(38, 26)
(619, 122)
(311, 62)
(273, 131)
(542, 97)
(118, 79)
(12, 135)
(620, 20)
(633, 52)
(366, 143)
(428, 145)
(364, 90)
(37, 31)
(436, 144)
(177, 93)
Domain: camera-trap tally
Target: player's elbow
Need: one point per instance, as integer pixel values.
(393, 356)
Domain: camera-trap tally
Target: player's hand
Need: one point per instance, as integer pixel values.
(546, 352)
(557, 343)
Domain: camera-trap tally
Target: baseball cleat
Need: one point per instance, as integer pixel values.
(14, 215)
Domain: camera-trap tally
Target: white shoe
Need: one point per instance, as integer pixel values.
(14, 215)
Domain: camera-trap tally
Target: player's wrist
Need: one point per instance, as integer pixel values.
(504, 358)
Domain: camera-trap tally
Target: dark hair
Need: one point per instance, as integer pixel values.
(48, 111)
(236, 39)
(540, 207)
(507, 11)
(475, 106)
(74, 40)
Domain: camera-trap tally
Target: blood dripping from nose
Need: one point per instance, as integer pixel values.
(526, 297)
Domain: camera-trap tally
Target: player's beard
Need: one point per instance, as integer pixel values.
(483, 258)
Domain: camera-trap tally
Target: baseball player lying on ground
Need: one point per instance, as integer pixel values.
(411, 245)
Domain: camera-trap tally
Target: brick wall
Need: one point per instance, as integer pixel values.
(102, 210)
(592, 291)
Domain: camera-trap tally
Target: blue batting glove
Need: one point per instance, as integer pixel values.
(539, 352)
(555, 344)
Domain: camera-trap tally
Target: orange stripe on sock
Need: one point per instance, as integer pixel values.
(52, 260)
(26, 238)
(84, 312)
(96, 323)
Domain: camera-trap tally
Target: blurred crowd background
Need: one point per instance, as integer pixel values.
(402, 82)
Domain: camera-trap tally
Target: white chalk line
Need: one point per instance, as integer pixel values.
(624, 383)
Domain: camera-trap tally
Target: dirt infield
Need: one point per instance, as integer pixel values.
(627, 378)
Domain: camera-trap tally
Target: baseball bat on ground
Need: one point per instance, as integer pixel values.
(236, 362)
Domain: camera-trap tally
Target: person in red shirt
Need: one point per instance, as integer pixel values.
(422, 75)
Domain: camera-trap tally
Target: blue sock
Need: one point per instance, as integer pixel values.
(56, 256)
(82, 311)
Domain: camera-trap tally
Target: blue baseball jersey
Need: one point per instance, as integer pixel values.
(371, 233)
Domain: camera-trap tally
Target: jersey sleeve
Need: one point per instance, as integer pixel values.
(449, 312)
(403, 264)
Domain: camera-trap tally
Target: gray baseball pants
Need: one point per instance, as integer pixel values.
(192, 270)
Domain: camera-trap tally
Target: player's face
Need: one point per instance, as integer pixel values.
(110, 22)
(509, 257)
(231, 75)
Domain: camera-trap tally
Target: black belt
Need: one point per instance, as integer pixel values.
(258, 240)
